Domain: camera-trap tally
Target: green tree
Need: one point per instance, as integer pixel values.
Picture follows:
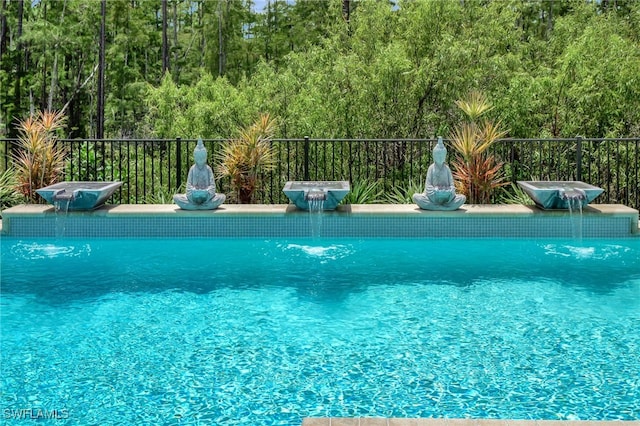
(53, 62)
(597, 86)
(212, 108)
(226, 27)
(554, 68)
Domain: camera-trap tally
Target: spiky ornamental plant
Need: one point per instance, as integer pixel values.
(363, 192)
(39, 160)
(244, 158)
(9, 195)
(477, 172)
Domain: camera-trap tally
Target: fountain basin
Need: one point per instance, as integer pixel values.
(80, 195)
(557, 195)
(301, 192)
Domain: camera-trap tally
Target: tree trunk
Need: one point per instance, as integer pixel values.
(549, 20)
(165, 39)
(54, 71)
(267, 37)
(17, 99)
(101, 66)
(220, 47)
(203, 39)
(43, 90)
(346, 10)
(4, 31)
(175, 41)
(245, 195)
(54, 82)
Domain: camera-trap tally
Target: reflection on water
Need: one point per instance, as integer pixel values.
(48, 250)
(317, 268)
(332, 252)
(602, 252)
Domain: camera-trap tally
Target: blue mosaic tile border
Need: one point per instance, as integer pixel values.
(296, 225)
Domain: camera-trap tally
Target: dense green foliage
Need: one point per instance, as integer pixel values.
(552, 68)
(9, 197)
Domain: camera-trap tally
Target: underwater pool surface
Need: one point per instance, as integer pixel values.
(261, 332)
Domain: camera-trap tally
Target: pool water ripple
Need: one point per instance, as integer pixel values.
(348, 328)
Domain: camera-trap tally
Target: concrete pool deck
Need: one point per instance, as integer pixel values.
(373, 421)
(285, 220)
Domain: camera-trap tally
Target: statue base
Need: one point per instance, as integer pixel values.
(183, 202)
(426, 204)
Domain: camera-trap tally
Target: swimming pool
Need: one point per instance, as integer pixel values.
(269, 331)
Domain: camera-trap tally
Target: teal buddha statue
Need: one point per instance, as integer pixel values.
(201, 186)
(440, 191)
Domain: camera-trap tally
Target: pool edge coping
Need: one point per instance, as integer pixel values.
(348, 210)
(286, 209)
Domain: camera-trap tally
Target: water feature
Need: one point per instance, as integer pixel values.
(561, 195)
(302, 192)
(80, 195)
(315, 200)
(557, 195)
(61, 201)
(574, 198)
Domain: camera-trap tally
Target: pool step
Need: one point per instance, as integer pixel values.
(378, 421)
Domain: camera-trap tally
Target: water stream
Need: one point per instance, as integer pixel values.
(316, 199)
(575, 198)
(61, 204)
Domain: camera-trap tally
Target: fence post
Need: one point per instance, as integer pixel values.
(579, 157)
(306, 158)
(178, 163)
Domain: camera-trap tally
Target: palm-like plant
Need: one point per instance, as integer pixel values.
(513, 194)
(251, 153)
(478, 178)
(404, 194)
(9, 196)
(363, 192)
(477, 173)
(475, 105)
(464, 140)
(39, 160)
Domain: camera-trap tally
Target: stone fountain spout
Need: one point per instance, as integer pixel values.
(572, 194)
(315, 195)
(559, 195)
(63, 195)
(325, 195)
(79, 195)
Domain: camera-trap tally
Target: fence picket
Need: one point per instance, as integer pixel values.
(612, 164)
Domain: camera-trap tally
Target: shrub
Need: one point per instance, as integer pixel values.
(404, 195)
(39, 160)
(513, 194)
(477, 172)
(9, 195)
(363, 192)
(244, 158)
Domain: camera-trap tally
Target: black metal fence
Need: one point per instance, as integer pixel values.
(152, 170)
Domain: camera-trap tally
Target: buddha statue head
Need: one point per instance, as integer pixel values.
(200, 154)
(439, 152)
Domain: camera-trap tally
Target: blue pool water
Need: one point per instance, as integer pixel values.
(255, 332)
